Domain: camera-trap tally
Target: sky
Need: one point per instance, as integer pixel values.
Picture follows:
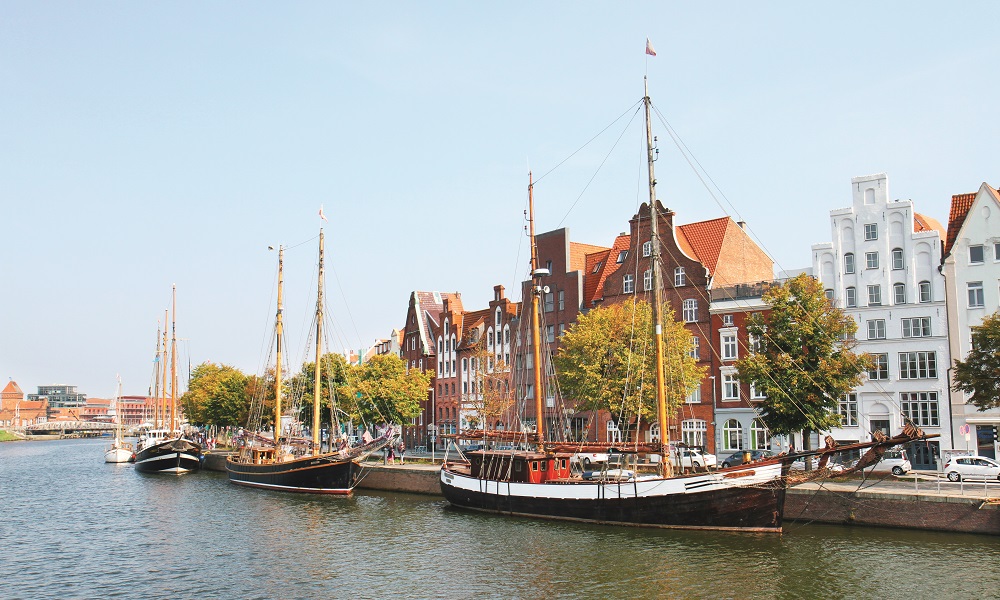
(145, 145)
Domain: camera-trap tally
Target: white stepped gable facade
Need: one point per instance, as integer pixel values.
(972, 272)
(885, 275)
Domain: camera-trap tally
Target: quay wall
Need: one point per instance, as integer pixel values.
(880, 508)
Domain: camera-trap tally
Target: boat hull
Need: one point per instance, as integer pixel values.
(750, 499)
(174, 456)
(118, 455)
(323, 474)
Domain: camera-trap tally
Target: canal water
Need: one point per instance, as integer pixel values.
(74, 527)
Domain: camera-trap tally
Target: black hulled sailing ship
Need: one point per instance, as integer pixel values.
(292, 464)
(541, 482)
(167, 450)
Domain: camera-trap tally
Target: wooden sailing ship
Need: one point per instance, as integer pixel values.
(293, 465)
(541, 482)
(166, 449)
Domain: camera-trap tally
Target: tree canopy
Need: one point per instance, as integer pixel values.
(217, 394)
(979, 374)
(606, 361)
(333, 378)
(384, 391)
(804, 362)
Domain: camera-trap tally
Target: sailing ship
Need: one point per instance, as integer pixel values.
(120, 450)
(291, 464)
(166, 449)
(541, 482)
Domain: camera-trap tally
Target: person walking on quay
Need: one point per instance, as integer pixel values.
(402, 449)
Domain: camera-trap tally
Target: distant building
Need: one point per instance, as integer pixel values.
(971, 269)
(882, 269)
(60, 396)
(17, 412)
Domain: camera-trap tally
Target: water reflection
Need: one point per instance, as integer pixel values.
(107, 531)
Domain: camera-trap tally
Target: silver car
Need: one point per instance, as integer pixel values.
(960, 468)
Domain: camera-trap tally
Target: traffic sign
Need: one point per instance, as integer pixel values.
(965, 429)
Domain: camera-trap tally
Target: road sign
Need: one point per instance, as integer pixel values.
(432, 428)
(965, 429)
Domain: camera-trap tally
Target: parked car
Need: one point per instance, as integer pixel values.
(586, 459)
(692, 458)
(737, 458)
(833, 465)
(959, 468)
(894, 460)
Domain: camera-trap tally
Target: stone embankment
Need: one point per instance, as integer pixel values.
(910, 504)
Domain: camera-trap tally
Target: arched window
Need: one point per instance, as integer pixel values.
(498, 316)
(732, 435)
(849, 263)
(654, 432)
(758, 435)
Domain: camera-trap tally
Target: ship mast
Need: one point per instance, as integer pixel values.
(319, 348)
(661, 401)
(173, 362)
(156, 381)
(536, 332)
(162, 404)
(278, 334)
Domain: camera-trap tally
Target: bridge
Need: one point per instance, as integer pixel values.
(67, 427)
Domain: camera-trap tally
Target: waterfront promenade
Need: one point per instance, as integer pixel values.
(917, 501)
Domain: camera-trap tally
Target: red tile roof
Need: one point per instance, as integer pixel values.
(593, 283)
(925, 223)
(11, 388)
(578, 255)
(960, 205)
(704, 239)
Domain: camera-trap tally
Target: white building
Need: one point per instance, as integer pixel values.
(972, 275)
(882, 269)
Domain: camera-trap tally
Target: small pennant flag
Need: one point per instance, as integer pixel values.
(321, 215)
(649, 48)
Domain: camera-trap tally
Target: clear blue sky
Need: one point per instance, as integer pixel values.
(144, 144)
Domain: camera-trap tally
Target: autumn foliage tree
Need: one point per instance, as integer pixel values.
(217, 394)
(490, 395)
(606, 361)
(804, 362)
(979, 374)
(382, 390)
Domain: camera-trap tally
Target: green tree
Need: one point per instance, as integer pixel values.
(606, 361)
(333, 379)
(217, 395)
(804, 362)
(383, 391)
(979, 374)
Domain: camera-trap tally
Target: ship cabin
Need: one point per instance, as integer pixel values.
(519, 466)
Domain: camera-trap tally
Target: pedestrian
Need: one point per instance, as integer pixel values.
(402, 449)
(389, 454)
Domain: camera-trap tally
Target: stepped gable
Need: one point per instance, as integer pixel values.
(960, 205)
(598, 266)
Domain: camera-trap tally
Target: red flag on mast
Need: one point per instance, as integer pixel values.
(649, 48)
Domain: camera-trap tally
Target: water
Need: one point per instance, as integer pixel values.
(74, 527)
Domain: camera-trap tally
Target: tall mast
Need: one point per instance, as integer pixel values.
(279, 332)
(661, 400)
(319, 349)
(162, 409)
(536, 332)
(156, 381)
(173, 362)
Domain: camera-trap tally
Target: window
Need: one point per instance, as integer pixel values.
(730, 387)
(550, 333)
(465, 365)
(597, 266)
(996, 251)
(924, 288)
(647, 248)
(897, 259)
(694, 397)
(690, 310)
(976, 294)
(562, 299)
(917, 365)
(828, 292)
(899, 293)
(729, 346)
(871, 260)
(876, 329)
(921, 408)
(732, 435)
(548, 302)
(758, 435)
(849, 263)
(756, 394)
(695, 347)
(852, 297)
(976, 255)
(489, 338)
(848, 409)
(874, 295)
(679, 277)
(881, 367)
(755, 344)
(871, 231)
(647, 280)
(622, 256)
(693, 432)
(548, 266)
(562, 329)
(917, 327)
(727, 320)
(628, 284)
